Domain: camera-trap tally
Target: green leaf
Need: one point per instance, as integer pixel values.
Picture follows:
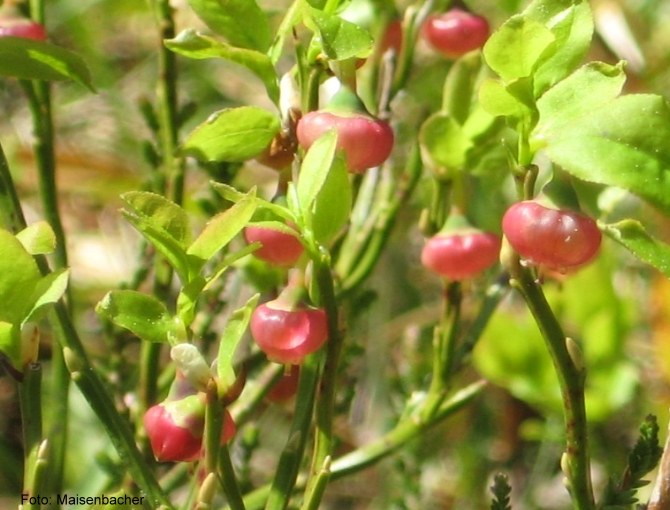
(162, 213)
(10, 343)
(459, 86)
(633, 236)
(624, 143)
(191, 44)
(143, 315)
(47, 292)
(517, 47)
(235, 134)
(497, 101)
(38, 238)
(444, 141)
(234, 195)
(340, 38)
(38, 60)
(187, 300)
(314, 170)
(332, 206)
(242, 22)
(571, 23)
(164, 242)
(230, 339)
(19, 276)
(220, 230)
(324, 191)
(591, 86)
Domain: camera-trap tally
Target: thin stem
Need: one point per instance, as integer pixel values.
(494, 295)
(40, 104)
(86, 378)
(571, 376)
(96, 394)
(382, 227)
(10, 206)
(166, 92)
(407, 429)
(325, 407)
(413, 20)
(444, 346)
(229, 480)
(30, 396)
(410, 427)
(315, 493)
(291, 457)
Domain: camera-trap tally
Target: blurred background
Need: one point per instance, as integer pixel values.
(618, 309)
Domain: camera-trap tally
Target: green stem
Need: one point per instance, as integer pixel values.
(291, 457)
(213, 424)
(413, 20)
(10, 206)
(373, 242)
(243, 408)
(494, 295)
(325, 407)
(96, 394)
(409, 428)
(444, 347)
(166, 92)
(229, 480)
(571, 376)
(86, 378)
(40, 104)
(318, 487)
(30, 397)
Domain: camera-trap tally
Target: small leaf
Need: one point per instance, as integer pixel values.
(230, 339)
(38, 60)
(162, 213)
(332, 206)
(187, 300)
(232, 135)
(47, 292)
(164, 242)
(191, 44)
(572, 25)
(633, 236)
(315, 168)
(624, 143)
(233, 195)
(444, 141)
(517, 47)
(220, 230)
(38, 238)
(591, 86)
(340, 38)
(143, 315)
(497, 101)
(459, 86)
(19, 276)
(242, 22)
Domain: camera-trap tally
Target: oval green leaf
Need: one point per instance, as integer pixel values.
(232, 135)
(242, 22)
(38, 60)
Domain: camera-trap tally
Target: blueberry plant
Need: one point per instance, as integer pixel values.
(414, 244)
